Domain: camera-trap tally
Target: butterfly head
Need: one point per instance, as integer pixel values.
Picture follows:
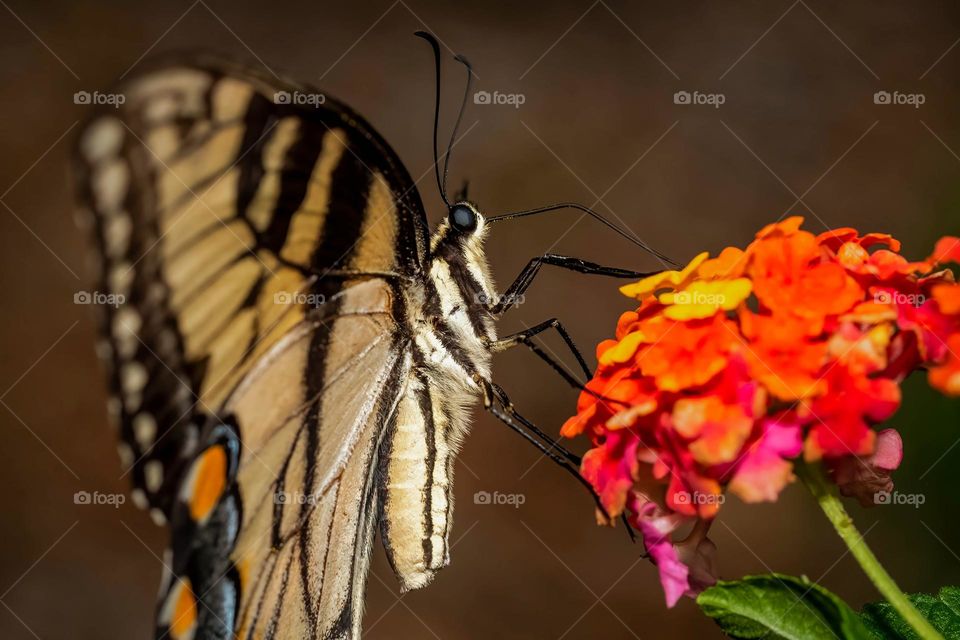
(464, 229)
(464, 218)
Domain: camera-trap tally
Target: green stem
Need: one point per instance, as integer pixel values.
(826, 494)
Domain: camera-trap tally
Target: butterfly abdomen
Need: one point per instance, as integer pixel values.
(417, 479)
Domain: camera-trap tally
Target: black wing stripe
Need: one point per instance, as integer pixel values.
(350, 189)
(281, 599)
(257, 121)
(430, 427)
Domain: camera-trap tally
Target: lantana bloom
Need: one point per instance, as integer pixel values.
(734, 366)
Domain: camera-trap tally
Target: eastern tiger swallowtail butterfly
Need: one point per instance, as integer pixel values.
(295, 356)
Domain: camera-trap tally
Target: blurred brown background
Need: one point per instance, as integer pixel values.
(798, 132)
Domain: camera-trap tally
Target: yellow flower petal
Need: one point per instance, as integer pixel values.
(702, 299)
(663, 280)
(623, 350)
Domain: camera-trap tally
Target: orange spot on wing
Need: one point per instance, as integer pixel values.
(210, 479)
(184, 616)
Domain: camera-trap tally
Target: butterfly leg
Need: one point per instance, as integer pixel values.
(514, 293)
(494, 395)
(526, 338)
(514, 296)
(497, 403)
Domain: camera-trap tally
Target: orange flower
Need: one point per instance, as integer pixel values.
(947, 297)
(688, 353)
(946, 377)
(947, 249)
(729, 265)
(733, 366)
(788, 275)
(716, 430)
(781, 356)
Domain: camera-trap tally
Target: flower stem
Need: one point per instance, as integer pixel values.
(826, 495)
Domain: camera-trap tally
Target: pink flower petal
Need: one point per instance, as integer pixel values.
(673, 573)
(764, 471)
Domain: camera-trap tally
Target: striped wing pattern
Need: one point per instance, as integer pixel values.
(246, 238)
(285, 555)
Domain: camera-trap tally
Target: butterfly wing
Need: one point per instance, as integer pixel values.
(282, 551)
(224, 211)
(255, 245)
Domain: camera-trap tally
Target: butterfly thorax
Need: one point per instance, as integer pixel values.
(454, 326)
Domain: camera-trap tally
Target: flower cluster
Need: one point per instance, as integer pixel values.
(734, 365)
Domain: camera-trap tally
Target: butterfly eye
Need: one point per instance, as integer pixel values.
(463, 218)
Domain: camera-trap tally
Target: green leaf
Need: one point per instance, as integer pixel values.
(777, 606)
(943, 612)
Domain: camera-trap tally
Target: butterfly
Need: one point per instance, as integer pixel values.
(295, 354)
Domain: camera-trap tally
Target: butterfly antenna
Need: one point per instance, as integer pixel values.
(593, 214)
(462, 193)
(436, 112)
(463, 106)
